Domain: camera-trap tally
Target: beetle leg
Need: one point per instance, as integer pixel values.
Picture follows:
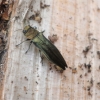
(28, 47)
(22, 42)
(42, 56)
(43, 31)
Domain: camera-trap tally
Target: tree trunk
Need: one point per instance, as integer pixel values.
(76, 24)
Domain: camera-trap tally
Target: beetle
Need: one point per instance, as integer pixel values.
(45, 46)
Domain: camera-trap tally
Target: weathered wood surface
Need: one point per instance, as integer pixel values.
(76, 23)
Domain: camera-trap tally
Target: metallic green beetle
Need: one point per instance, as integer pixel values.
(45, 46)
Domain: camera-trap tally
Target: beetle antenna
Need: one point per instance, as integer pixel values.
(22, 42)
(18, 30)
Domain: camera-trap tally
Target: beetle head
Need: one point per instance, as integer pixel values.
(26, 28)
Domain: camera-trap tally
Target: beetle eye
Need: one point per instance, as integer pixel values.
(35, 27)
(24, 31)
